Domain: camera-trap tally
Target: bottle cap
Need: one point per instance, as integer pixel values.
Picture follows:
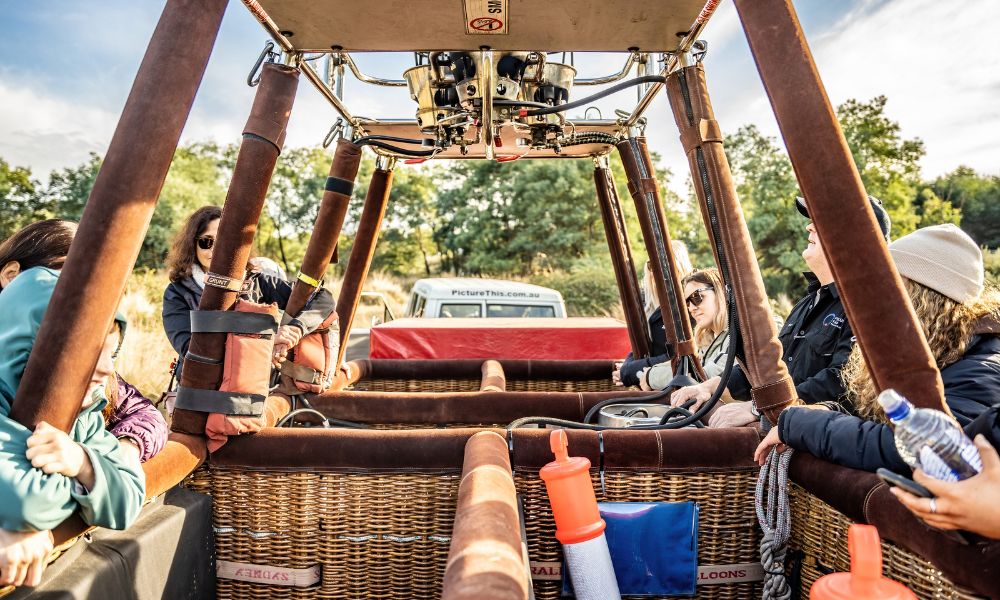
(894, 404)
(865, 579)
(571, 493)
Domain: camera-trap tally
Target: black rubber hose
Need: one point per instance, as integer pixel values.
(363, 141)
(601, 94)
(398, 150)
(290, 417)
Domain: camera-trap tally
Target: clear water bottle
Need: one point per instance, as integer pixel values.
(929, 440)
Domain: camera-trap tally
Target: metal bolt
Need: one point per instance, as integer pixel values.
(471, 89)
(501, 89)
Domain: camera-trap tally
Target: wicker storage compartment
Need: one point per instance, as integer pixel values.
(386, 535)
(820, 533)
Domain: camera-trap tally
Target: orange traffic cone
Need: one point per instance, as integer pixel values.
(865, 579)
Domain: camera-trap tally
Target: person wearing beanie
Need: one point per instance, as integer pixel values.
(942, 271)
(816, 341)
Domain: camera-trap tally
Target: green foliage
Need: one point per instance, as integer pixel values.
(588, 286)
(888, 164)
(69, 188)
(18, 193)
(978, 197)
(767, 189)
(991, 261)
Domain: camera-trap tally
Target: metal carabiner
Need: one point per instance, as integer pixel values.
(267, 53)
(698, 51)
(336, 132)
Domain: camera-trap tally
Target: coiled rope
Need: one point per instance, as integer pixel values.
(774, 515)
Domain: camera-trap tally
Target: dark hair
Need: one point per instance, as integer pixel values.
(182, 253)
(42, 244)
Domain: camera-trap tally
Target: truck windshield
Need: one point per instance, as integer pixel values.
(519, 311)
(460, 311)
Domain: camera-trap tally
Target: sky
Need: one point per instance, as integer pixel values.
(68, 66)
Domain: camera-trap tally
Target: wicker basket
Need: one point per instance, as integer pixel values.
(820, 533)
(472, 385)
(386, 535)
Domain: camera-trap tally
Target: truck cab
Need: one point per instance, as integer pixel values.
(478, 298)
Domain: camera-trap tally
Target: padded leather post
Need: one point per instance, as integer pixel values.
(240, 214)
(877, 306)
(656, 236)
(622, 261)
(362, 253)
(761, 351)
(117, 214)
(494, 379)
(485, 559)
(329, 222)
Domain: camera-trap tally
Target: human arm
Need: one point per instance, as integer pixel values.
(972, 504)
(842, 439)
(320, 305)
(629, 371)
(176, 319)
(135, 420)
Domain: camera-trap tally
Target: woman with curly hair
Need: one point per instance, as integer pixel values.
(942, 270)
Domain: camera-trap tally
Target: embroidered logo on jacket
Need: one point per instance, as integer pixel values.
(834, 320)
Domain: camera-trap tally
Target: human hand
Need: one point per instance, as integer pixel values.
(971, 505)
(771, 440)
(287, 336)
(643, 382)
(22, 556)
(735, 414)
(616, 374)
(53, 451)
(700, 393)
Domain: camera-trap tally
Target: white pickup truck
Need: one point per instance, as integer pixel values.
(446, 297)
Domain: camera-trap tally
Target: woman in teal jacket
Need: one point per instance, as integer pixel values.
(44, 476)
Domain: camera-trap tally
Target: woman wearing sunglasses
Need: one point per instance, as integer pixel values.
(708, 311)
(189, 260)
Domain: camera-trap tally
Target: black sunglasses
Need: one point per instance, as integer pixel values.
(696, 297)
(206, 243)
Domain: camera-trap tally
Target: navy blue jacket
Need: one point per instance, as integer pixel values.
(971, 388)
(816, 341)
(660, 353)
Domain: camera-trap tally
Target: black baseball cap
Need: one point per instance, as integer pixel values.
(880, 215)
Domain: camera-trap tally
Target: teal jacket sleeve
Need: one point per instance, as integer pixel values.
(119, 488)
(32, 500)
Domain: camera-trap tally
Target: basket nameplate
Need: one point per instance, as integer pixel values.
(738, 573)
(268, 574)
(707, 575)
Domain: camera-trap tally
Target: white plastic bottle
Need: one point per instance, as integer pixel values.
(927, 439)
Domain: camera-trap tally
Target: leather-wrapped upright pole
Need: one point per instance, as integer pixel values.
(771, 386)
(656, 236)
(263, 137)
(621, 260)
(329, 222)
(362, 253)
(117, 214)
(877, 306)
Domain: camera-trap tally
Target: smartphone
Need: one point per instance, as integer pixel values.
(916, 489)
(904, 483)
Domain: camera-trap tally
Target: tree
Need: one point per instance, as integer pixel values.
(18, 199)
(888, 164)
(978, 197)
(69, 188)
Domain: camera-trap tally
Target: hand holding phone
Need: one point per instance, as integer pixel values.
(897, 480)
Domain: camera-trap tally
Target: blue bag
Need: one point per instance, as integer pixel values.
(654, 547)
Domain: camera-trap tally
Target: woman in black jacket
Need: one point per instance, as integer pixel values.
(942, 270)
(627, 373)
(188, 262)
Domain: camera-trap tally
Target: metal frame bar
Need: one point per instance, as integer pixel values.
(673, 61)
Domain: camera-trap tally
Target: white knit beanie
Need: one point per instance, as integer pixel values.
(943, 258)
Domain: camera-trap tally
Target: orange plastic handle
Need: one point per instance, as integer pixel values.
(571, 493)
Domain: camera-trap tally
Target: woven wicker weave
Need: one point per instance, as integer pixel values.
(380, 535)
(820, 532)
(472, 385)
(727, 525)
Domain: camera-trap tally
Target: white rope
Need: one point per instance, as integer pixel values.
(775, 520)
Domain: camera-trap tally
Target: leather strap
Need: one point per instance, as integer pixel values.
(704, 131)
(229, 321)
(339, 186)
(213, 401)
(770, 399)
